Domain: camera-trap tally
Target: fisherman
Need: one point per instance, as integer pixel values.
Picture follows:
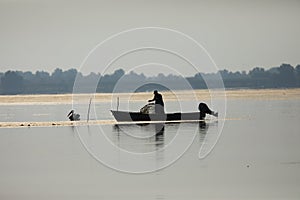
(73, 116)
(159, 103)
(204, 109)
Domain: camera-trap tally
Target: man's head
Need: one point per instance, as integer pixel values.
(155, 92)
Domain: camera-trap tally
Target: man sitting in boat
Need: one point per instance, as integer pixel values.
(204, 109)
(159, 103)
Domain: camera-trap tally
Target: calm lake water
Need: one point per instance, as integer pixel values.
(256, 157)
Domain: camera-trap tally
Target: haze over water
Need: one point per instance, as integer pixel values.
(256, 157)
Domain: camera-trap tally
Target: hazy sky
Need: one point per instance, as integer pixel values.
(239, 35)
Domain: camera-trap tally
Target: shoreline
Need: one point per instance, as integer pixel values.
(168, 95)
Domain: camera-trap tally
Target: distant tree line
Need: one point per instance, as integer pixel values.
(59, 81)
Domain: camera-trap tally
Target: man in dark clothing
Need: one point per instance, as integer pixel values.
(204, 109)
(159, 103)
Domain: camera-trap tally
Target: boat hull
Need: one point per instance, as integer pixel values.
(124, 116)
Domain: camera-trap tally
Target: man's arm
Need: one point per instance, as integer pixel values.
(152, 99)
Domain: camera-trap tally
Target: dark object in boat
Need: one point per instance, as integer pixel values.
(73, 116)
(204, 109)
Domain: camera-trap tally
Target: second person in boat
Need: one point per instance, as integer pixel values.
(159, 103)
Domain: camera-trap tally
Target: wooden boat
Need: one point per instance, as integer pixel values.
(125, 116)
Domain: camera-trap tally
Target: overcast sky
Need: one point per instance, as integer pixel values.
(239, 35)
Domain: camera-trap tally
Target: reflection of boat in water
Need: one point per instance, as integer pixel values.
(145, 114)
(137, 131)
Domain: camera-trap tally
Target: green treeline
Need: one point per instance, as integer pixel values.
(58, 82)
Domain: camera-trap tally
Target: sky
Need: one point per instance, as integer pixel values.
(238, 35)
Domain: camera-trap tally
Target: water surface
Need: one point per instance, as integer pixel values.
(256, 157)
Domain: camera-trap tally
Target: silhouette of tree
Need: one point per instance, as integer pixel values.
(58, 82)
(17, 82)
(12, 83)
(57, 74)
(257, 72)
(197, 81)
(69, 79)
(297, 69)
(28, 75)
(42, 76)
(117, 75)
(286, 76)
(259, 77)
(108, 82)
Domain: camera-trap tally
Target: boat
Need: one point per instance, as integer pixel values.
(125, 116)
(147, 113)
